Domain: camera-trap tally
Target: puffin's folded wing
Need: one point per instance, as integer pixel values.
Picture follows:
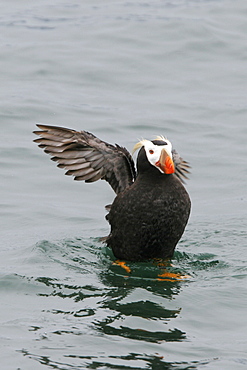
(86, 157)
(181, 166)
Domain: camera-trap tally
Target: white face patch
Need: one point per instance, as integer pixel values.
(153, 151)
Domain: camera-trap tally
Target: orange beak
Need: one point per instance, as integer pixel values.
(165, 163)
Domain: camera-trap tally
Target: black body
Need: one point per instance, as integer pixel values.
(148, 218)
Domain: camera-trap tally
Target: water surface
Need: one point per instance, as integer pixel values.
(122, 70)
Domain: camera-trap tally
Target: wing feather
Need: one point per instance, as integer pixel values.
(181, 166)
(86, 157)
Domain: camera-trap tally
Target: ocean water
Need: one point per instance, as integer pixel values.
(122, 70)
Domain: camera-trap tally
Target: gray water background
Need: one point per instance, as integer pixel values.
(122, 70)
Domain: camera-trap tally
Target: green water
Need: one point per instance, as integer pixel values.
(68, 306)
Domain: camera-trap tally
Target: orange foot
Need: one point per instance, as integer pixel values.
(162, 262)
(170, 276)
(123, 265)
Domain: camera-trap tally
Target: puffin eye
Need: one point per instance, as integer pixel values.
(151, 151)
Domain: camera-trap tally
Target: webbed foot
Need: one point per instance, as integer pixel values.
(123, 265)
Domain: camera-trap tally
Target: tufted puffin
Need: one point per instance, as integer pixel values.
(151, 208)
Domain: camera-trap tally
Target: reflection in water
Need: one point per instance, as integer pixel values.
(132, 361)
(134, 318)
(103, 303)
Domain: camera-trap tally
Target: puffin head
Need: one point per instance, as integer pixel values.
(157, 152)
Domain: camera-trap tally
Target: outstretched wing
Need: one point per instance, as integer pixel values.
(86, 157)
(181, 166)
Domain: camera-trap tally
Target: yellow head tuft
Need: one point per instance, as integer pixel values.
(161, 137)
(139, 145)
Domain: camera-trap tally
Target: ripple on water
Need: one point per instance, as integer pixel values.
(83, 294)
